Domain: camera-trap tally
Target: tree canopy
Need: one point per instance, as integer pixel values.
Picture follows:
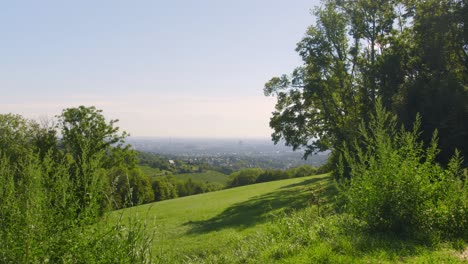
(411, 55)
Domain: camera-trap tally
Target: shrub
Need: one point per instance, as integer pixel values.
(244, 177)
(272, 175)
(41, 220)
(164, 188)
(397, 186)
(301, 171)
(130, 187)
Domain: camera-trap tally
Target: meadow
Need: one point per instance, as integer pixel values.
(205, 176)
(287, 221)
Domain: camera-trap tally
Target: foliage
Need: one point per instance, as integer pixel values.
(301, 171)
(412, 55)
(86, 127)
(129, 187)
(435, 79)
(52, 193)
(397, 186)
(164, 188)
(244, 177)
(38, 221)
(272, 175)
(20, 136)
(257, 175)
(205, 176)
(320, 103)
(190, 187)
(88, 139)
(255, 224)
(155, 161)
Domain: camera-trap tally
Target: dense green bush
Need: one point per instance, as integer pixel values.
(397, 186)
(272, 175)
(301, 171)
(54, 193)
(39, 221)
(129, 187)
(164, 188)
(244, 177)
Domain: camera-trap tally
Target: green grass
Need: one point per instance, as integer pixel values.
(152, 172)
(273, 222)
(206, 176)
(208, 221)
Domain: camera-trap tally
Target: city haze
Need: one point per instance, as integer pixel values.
(163, 68)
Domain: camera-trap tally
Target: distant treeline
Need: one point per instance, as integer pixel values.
(163, 163)
(257, 175)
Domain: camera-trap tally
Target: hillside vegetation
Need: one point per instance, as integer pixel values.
(205, 176)
(207, 223)
(288, 221)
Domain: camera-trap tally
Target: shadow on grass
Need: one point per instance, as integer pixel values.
(257, 209)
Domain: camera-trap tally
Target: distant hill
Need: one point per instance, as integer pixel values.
(205, 176)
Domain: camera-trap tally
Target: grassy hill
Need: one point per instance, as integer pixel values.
(152, 172)
(206, 176)
(273, 222)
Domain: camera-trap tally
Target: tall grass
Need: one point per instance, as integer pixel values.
(43, 219)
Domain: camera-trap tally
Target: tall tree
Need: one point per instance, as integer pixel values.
(320, 103)
(436, 79)
(94, 145)
(410, 55)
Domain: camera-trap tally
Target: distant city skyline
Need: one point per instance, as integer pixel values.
(163, 68)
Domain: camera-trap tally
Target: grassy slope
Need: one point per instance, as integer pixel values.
(197, 223)
(207, 176)
(245, 225)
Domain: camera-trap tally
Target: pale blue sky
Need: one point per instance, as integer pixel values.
(164, 68)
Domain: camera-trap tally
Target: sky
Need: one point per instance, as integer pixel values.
(163, 68)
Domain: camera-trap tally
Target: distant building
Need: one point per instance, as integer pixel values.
(171, 162)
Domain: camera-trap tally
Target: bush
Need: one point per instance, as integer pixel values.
(301, 171)
(272, 175)
(164, 188)
(244, 177)
(130, 187)
(53, 193)
(397, 186)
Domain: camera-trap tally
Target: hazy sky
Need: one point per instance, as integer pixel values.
(164, 68)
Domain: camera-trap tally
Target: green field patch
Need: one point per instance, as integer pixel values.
(204, 223)
(257, 209)
(152, 172)
(205, 176)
